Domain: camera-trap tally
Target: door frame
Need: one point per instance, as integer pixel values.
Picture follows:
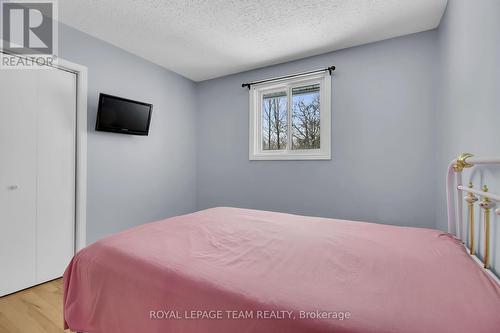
(80, 228)
(80, 71)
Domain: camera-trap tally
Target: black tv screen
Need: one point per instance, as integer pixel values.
(121, 115)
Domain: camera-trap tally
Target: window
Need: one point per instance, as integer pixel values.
(290, 119)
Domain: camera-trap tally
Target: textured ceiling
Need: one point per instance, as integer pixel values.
(203, 39)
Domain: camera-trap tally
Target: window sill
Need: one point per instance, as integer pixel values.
(289, 157)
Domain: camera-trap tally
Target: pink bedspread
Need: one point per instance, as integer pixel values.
(173, 275)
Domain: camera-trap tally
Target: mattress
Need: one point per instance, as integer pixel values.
(237, 270)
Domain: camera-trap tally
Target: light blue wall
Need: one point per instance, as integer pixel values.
(398, 106)
(469, 103)
(134, 179)
(383, 138)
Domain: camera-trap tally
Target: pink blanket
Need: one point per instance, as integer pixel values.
(236, 271)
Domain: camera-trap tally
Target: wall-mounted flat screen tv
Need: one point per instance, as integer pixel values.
(121, 115)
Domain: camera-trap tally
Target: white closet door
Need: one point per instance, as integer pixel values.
(56, 173)
(18, 159)
(37, 176)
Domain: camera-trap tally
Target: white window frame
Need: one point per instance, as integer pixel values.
(255, 138)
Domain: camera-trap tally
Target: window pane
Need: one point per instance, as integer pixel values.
(306, 117)
(274, 121)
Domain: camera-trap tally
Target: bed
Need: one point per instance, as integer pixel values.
(239, 270)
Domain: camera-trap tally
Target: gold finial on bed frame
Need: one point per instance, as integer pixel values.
(471, 199)
(486, 204)
(461, 162)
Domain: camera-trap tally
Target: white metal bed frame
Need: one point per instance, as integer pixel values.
(486, 200)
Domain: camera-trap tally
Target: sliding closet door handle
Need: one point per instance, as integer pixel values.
(13, 187)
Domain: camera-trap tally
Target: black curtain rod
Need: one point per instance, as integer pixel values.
(329, 69)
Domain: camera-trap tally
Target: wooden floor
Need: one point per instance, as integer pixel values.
(34, 310)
